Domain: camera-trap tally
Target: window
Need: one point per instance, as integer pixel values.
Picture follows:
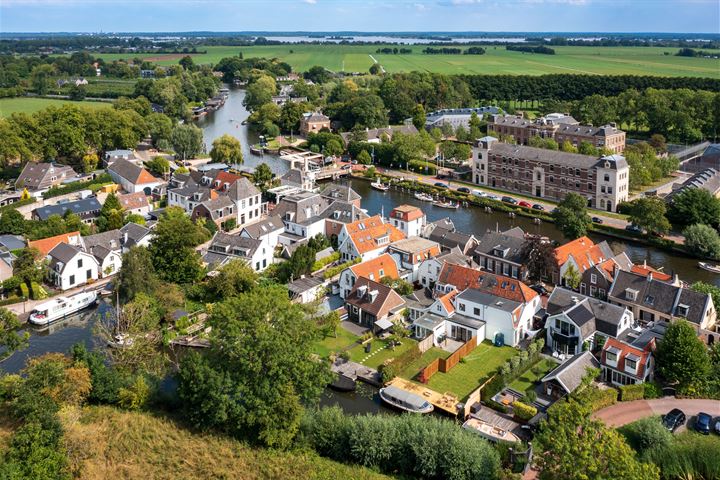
(610, 356)
(71, 280)
(382, 273)
(461, 306)
(606, 177)
(593, 278)
(630, 364)
(476, 311)
(79, 262)
(88, 274)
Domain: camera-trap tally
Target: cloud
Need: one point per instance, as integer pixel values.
(420, 7)
(310, 2)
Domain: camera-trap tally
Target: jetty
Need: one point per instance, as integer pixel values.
(357, 372)
(445, 402)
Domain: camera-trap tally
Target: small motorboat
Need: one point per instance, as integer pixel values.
(490, 432)
(424, 197)
(442, 204)
(377, 185)
(61, 307)
(407, 401)
(709, 267)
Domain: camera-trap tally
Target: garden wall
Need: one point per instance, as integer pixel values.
(444, 365)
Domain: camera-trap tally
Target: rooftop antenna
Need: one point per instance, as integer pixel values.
(382, 212)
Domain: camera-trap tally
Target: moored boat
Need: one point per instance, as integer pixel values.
(709, 267)
(407, 401)
(441, 204)
(424, 197)
(60, 307)
(380, 186)
(490, 432)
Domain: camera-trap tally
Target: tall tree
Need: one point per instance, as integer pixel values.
(693, 206)
(418, 116)
(703, 241)
(538, 257)
(226, 149)
(571, 216)
(173, 247)
(29, 265)
(649, 213)
(112, 215)
(137, 274)
(41, 78)
(681, 357)
(187, 141)
(262, 176)
(12, 222)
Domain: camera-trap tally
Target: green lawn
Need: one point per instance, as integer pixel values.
(334, 344)
(414, 368)
(497, 60)
(380, 351)
(31, 104)
(527, 380)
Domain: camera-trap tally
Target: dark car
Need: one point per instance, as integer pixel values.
(633, 228)
(673, 419)
(539, 289)
(597, 220)
(702, 423)
(441, 185)
(509, 200)
(463, 189)
(537, 206)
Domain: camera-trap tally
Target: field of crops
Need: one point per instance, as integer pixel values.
(497, 60)
(30, 104)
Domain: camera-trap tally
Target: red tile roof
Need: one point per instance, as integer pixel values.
(224, 177)
(131, 201)
(446, 300)
(625, 350)
(583, 250)
(365, 233)
(47, 244)
(384, 262)
(407, 213)
(645, 270)
(145, 177)
(505, 287)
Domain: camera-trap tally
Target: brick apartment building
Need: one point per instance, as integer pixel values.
(559, 127)
(550, 173)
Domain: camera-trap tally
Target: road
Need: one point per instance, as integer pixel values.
(627, 412)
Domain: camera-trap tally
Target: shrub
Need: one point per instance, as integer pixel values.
(11, 283)
(24, 291)
(498, 407)
(335, 256)
(629, 393)
(393, 368)
(37, 292)
(647, 433)
(652, 390)
(135, 396)
(523, 412)
(332, 271)
(596, 398)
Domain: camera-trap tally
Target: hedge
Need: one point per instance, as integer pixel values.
(18, 204)
(522, 411)
(394, 367)
(10, 300)
(629, 393)
(598, 399)
(652, 390)
(94, 185)
(37, 292)
(24, 291)
(325, 261)
(498, 407)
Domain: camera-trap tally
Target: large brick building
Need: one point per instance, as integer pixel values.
(550, 173)
(559, 127)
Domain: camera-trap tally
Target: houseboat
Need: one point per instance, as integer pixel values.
(404, 400)
(60, 307)
(490, 432)
(709, 267)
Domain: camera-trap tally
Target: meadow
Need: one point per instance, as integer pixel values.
(660, 61)
(32, 104)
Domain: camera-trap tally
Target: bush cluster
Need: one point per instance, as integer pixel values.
(393, 368)
(629, 393)
(523, 412)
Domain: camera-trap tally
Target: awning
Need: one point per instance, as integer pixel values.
(383, 324)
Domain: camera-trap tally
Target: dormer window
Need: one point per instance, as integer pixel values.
(683, 310)
(631, 294)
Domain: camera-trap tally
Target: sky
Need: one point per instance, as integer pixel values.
(360, 15)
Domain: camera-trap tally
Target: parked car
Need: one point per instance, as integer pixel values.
(479, 193)
(673, 419)
(463, 189)
(537, 206)
(346, 167)
(702, 423)
(490, 196)
(525, 204)
(441, 185)
(540, 289)
(597, 220)
(509, 200)
(717, 425)
(633, 228)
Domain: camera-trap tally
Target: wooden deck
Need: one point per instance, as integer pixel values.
(446, 402)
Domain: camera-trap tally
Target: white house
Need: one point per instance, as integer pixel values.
(301, 215)
(106, 247)
(408, 219)
(442, 321)
(133, 178)
(225, 247)
(367, 238)
(248, 201)
(267, 230)
(70, 267)
(410, 253)
(133, 235)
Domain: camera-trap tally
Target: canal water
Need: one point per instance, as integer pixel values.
(79, 328)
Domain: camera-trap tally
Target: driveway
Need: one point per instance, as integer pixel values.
(623, 413)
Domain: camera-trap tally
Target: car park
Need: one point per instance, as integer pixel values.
(509, 200)
(463, 189)
(539, 207)
(702, 423)
(597, 220)
(673, 419)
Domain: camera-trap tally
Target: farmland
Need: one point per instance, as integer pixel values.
(497, 60)
(31, 104)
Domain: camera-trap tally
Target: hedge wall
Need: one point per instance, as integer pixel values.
(629, 393)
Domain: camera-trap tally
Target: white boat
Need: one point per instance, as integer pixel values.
(441, 204)
(407, 401)
(709, 267)
(490, 432)
(380, 186)
(60, 307)
(424, 197)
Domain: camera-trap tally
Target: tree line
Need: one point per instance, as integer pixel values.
(531, 49)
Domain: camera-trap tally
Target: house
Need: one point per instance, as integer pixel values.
(134, 235)
(502, 253)
(373, 305)
(506, 304)
(46, 244)
(653, 300)
(189, 196)
(306, 289)
(88, 209)
(219, 210)
(218, 180)
(112, 156)
(299, 179)
(37, 177)
(267, 231)
(410, 253)
(443, 232)
(69, 266)
(135, 203)
(577, 322)
(8, 244)
(598, 278)
(375, 135)
(366, 238)
(442, 321)
(132, 178)
(429, 269)
(338, 214)
(313, 122)
(408, 219)
(455, 117)
(247, 199)
(335, 192)
(107, 248)
(566, 378)
(301, 214)
(579, 255)
(375, 269)
(225, 248)
(623, 363)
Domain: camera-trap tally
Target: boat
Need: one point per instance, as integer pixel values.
(343, 383)
(60, 307)
(442, 204)
(425, 197)
(380, 186)
(490, 432)
(407, 401)
(709, 267)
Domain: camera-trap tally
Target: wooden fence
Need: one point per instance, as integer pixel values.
(444, 365)
(426, 344)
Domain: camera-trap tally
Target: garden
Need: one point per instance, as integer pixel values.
(380, 351)
(334, 343)
(532, 376)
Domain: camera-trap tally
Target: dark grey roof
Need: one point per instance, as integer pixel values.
(234, 245)
(86, 205)
(543, 155)
(500, 245)
(190, 189)
(265, 226)
(37, 176)
(134, 232)
(589, 314)
(62, 253)
(708, 179)
(482, 298)
(466, 321)
(456, 257)
(242, 188)
(126, 169)
(215, 205)
(445, 223)
(335, 192)
(101, 244)
(302, 285)
(449, 238)
(571, 373)
(13, 242)
(344, 212)
(420, 299)
(293, 177)
(303, 208)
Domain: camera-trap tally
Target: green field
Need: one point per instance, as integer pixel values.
(497, 60)
(335, 344)
(30, 104)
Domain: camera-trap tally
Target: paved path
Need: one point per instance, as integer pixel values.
(627, 412)
(23, 308)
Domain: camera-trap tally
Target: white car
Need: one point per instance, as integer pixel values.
(479, 193)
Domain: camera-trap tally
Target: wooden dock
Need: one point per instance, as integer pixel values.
(357, 371)
(446, 402)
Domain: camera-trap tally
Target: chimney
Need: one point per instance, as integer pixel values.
(676, 279)
(650, 277)
(372, 295)
(125, 238)
(575, 299)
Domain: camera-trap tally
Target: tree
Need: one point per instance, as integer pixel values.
(172, 248)
(364, 157)
(375, 69)
(226, 149)
(187, 141)
(90, 162)
(232, 279)
(566, 146)
(12, 222)
(418, 116)
(112, 215)
(657, 141)
(703, 241)
(538, 257)
(575, 446)
(262, 176)
(41, 78)
(571, 216)
(402, 287)
(694, 205)
(10, 339)
(29, 265)
(187, 63)
(318, 74)
(290, 115)
(649, 213)
(708, 288)
(77, 92)
(160, 128)
(137, 274)
(158, 165)
(572, 277)
(681, 356)
(646, 434)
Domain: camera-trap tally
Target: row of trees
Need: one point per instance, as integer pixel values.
(176, 93)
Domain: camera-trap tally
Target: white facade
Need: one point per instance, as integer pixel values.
(413, 228)
(81, 268)
(612, 184)
(428, 272)
(249, 209)
(110, 264)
